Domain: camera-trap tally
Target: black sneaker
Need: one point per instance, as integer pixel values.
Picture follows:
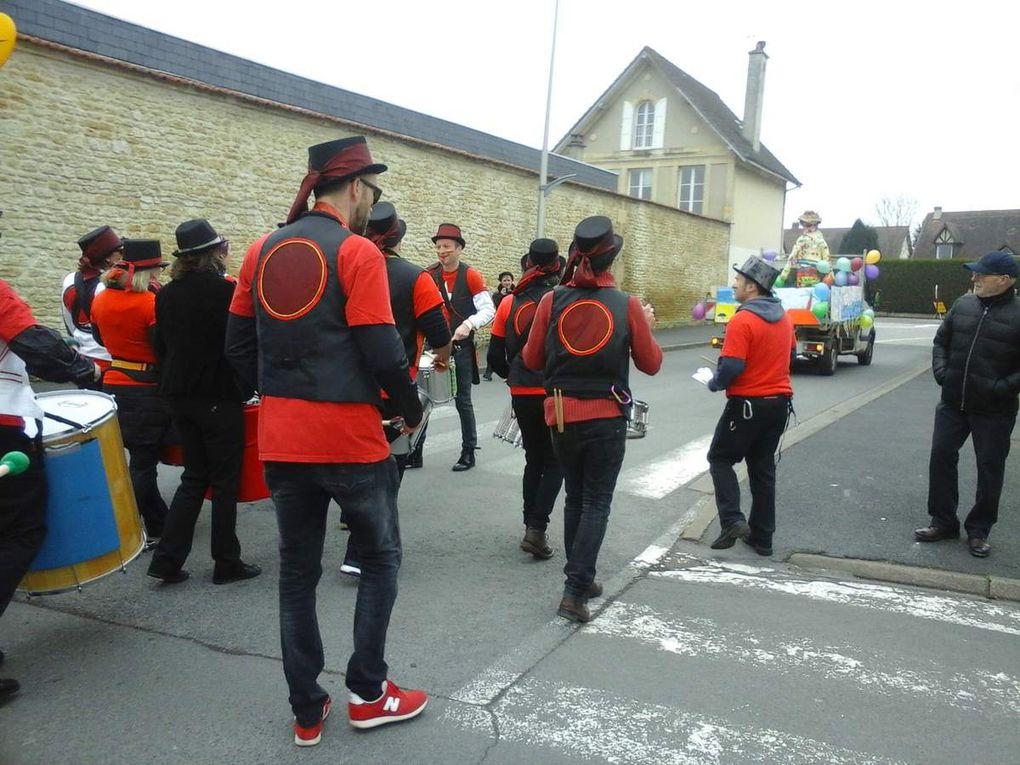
(729, 535)
(466, 461)
(764, 551)
(235, 573)
(165, 575)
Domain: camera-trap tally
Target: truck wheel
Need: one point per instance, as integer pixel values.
(864, 357)
(827, 362)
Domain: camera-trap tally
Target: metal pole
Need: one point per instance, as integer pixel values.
(543, 172)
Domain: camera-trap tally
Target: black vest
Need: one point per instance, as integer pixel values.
(588, 372)
(518, 325)
(402, 276)
(306, 348)
(84, 294)
(461, 303)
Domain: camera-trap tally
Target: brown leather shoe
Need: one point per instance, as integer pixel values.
(536, 543)
(979, 547)
(595, 591)
(935, 534)
(574, 609)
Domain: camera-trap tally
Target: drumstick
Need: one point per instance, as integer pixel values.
(706, 358)
(13, 463)
(558, 408)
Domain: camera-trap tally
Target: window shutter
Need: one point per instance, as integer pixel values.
(659, 127)
(627, 126)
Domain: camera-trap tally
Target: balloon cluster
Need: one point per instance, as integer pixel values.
(867, 319)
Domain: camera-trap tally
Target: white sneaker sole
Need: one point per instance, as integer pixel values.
(377, 721)
(350, 571)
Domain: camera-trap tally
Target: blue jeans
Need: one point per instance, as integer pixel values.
(590, 454)
(464, 359)
(367, 495)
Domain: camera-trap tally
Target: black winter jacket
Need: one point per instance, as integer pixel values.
(976, 356)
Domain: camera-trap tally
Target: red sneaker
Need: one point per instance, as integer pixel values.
(393, 706)
(312, 735)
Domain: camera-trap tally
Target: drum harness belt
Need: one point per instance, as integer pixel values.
(623, 398)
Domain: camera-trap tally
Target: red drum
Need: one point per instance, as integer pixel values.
(252, 486)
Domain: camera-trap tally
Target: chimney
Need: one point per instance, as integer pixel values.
(937, 215)
(755, 96)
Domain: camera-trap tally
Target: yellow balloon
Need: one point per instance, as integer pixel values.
(8, 36)
(872, 257)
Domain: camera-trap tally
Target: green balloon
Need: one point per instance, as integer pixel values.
(867, 322)
(821, 310)
(779, 282)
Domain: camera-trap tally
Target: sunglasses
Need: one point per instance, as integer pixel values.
(376, 191)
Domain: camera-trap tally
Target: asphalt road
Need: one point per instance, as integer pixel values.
(696, 657)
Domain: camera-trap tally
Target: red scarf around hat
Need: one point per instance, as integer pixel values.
(351, 159)
(579, 272)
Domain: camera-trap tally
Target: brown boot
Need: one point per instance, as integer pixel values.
(574, 609)
(594, 591)
(536, 543)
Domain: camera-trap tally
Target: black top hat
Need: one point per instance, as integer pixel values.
(196, 235)
(142, 253)
(384, 227)
(594, 238)
(449, 231)
(543, 251)
(759, 271)
(345, 157)
(99, 243)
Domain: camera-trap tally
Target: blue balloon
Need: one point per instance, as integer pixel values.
(843, 264)
(840, 278)
(821, 292)
(770, 255)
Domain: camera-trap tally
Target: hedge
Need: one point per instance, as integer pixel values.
(908, 286)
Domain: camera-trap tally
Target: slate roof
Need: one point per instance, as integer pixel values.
(977, 232)
(705, 101)
(97, 33)
(890, 239)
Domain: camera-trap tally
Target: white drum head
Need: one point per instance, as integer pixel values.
(84, 407)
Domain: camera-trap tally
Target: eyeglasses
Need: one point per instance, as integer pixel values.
(376, 191)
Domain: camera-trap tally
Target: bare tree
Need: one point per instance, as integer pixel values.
(898, 211)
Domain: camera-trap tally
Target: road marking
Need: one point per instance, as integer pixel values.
(995, 693)
(968, 613)
(452, 439)
(589, 723)
(667, 474)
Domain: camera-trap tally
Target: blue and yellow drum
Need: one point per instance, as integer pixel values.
(93, 527)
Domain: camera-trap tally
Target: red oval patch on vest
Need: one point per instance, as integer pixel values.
(524, 317)
(585, 327)
(292, 279)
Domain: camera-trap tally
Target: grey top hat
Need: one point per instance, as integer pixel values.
(759, 271)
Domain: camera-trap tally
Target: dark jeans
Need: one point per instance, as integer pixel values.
(464, 359)
(749, 430)
(351, 554)
(22, 514)
(990, 434)
(212, 438)
(367, 496)
(542, 474)
(590, 455)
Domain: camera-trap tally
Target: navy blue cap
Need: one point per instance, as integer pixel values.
(998, 262)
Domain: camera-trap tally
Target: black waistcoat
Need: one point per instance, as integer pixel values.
(402, 276)
(518, 325)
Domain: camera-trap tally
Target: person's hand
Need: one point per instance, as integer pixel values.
(649, 314)
(463, 331)
(442, 358)
(97, 372)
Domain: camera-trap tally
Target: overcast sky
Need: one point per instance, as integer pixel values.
(863, 100)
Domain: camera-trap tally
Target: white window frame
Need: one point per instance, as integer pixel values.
(644, 125)
(944, 247)
(644, 190)
(691, 191)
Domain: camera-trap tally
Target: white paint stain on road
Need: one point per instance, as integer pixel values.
(995, 693)
(968, 613)
(668, 473)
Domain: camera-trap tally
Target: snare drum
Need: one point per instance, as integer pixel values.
(407, 443)
(439, 384)
(508, 429)
(637, 423)
(93, 527)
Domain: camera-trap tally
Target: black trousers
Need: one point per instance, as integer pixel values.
(990, 434)
(749, 430)
(543, 476)
(22, 513)
(212, 438)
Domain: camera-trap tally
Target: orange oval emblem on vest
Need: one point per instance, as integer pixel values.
(585, 327)
(524, 318)
(292, 279)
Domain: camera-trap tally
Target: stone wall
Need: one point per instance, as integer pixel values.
(87, 142)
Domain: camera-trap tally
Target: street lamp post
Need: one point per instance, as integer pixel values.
(543, 171)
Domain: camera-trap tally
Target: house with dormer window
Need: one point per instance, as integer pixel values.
(673, 141)
(967, 235)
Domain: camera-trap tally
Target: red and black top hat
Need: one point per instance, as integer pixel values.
(195, 236)
(594, 248)
(449, 231)
(542, 252)
(333, 161)
(98, 245)
(385, 229)
(142, 253)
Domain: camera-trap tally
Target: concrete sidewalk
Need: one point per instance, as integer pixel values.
(850, 496)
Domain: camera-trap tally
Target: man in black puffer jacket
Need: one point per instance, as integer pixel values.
(976, 360)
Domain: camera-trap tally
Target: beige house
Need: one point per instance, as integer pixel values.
(674, 142)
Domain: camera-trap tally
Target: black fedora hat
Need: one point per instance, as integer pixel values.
(542, 252)
(142, 253)
(196, 235)
(759, 271)
(345, 157)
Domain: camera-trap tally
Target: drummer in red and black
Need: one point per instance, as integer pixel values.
(26, 347)
(312, 329)
(542, 474)
(583, 337)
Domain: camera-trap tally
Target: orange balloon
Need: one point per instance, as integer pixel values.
(872, 257)
(828, 279)
(8, 36)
